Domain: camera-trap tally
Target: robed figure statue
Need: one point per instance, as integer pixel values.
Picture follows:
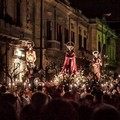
(96, 64)
(70, 61)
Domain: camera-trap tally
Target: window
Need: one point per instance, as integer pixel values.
(80, 30)
(85, 33)
(85, 43)
(110, 54)
(18, 13)
(72, 26)
(99, 46)
(49, 30)
(72, 36)
(104, 49)
(2, 8)
(59, 34)
(80, 41)
(66, 36)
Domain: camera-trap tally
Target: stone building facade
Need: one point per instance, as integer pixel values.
(63, 24)
(50, 24)
(15, 29)
(103, 39)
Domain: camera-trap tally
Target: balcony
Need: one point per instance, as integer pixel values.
(9, 29)
(53, 44)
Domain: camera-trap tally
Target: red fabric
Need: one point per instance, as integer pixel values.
(69, 63)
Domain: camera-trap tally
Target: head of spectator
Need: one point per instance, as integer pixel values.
(7, 112)
(27, 113)
(39, 100)
(85, 112)
(3, 89)
(106, 99)
(105, 112)
(59, 109)
(97, 93)
(39, 88)
(69, 96)
(88, 100)
(8, 98)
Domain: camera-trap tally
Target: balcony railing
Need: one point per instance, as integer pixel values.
(53, 44)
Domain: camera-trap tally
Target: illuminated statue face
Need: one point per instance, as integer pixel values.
(70, 48)
(96, 55)
(70, 45)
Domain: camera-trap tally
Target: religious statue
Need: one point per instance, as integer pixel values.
(30, 56)
(96, 64)
(70, 60)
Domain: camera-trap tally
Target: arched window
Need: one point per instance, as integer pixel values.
(80, 41)
(73, 36)
(66, 36)
(49, 30)
(59, 34)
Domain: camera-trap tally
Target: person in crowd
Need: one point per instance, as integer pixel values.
(21, 101)
(33, 110)
(85, 112)
(39, 100)
(3, 89)
(7, 111)
(59, 109)
(105, 112)
(27, 113)
(8, 98)
(97, 94)
(106, 99)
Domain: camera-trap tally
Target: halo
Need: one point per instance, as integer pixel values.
(95, 53)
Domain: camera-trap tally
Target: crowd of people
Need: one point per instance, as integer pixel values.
(58, 103)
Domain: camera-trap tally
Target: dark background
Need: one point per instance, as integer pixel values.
(97, 8)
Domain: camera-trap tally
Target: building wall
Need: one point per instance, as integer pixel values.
(15, 26)
(60, 14)
(25, 24)
(92, 37)
(104, 40)
(94, 32)
(118, 53)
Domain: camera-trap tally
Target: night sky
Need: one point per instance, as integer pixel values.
(97, 8)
